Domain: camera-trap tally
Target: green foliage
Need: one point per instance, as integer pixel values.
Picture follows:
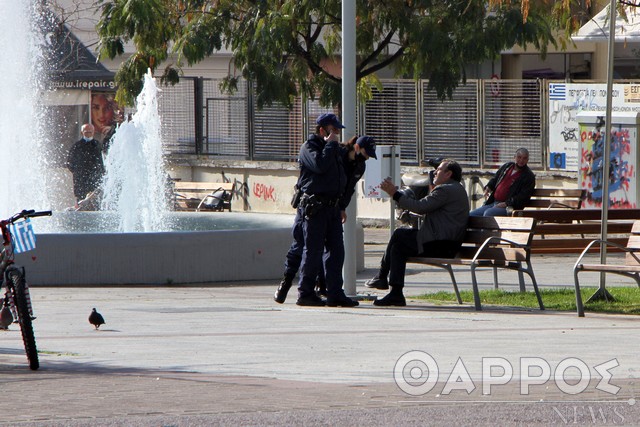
(292, 47)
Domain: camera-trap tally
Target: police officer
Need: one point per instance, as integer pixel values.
(354, 155)
(322, 182)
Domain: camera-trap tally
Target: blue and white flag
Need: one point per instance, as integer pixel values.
(557, 91)
(24, 239)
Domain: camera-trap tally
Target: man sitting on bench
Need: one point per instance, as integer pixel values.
(446, 211)
(510, 189)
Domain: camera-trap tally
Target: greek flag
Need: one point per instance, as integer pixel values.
(557, 91)
(24, 239)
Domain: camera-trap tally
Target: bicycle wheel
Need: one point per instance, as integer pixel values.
(16, 280)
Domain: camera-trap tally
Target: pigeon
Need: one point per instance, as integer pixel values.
(96, 319)
(6, 318)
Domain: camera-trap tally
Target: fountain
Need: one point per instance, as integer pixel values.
(25, 182)
(139, 243)
(135, 244)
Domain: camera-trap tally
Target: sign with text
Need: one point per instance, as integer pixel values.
(566, 100)
(386, 166)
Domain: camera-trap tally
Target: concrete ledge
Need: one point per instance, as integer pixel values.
(161, 258)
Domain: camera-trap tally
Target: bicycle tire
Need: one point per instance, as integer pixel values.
(17, 282)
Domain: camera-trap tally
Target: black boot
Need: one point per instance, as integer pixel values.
(281, 293)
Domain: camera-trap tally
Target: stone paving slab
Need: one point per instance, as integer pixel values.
(226, 354)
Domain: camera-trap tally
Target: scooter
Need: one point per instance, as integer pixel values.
(417, 186)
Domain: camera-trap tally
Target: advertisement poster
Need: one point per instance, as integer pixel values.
(106, 114)
(566, 100)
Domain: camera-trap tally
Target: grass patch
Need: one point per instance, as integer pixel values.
(627, 299)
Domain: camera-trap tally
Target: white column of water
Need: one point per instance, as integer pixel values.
(23, 143)
(135, 179)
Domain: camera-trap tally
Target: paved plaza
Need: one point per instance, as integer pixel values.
(226, 354)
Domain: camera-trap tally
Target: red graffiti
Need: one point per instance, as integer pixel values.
(264, 192)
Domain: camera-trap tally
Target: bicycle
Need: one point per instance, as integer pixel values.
(16, 295)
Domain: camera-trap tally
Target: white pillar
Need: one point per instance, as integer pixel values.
(349, 120)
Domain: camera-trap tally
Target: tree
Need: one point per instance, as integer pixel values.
(290, 47)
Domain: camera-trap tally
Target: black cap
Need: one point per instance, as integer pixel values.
(329, 119)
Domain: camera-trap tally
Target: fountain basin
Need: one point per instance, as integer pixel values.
(254, 250)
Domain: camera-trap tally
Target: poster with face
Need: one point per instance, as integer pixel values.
(106, 114)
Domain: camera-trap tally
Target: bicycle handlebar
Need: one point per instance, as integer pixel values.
(30, 213)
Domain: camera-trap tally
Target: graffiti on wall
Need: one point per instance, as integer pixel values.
(264, 192)
(622, 186)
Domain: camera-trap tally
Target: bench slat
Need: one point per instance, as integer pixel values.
(610, 267)
(478, 237)
(502, 254)
(569, 243)
(582, 228)
(500, 223)
(559, 203)
(558, 192)
(555, 215)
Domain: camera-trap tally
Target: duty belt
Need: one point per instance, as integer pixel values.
(322, 199)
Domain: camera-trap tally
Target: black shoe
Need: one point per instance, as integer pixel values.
(391, 300)
(321, 289)
(311, 301)
(343, 301)
(281, 293)
(377, 283)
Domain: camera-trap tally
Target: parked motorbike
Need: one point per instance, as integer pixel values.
(417, 186)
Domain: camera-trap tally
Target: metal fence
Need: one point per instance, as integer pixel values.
(482, 125)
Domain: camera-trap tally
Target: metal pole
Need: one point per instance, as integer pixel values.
(602, 293)
(392, 204)
(349, 120)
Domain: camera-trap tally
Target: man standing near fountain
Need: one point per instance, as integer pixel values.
(322, 182)
(85, 163)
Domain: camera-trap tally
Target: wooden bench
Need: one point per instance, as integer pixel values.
(570, 231)
(630, 268)
(496, 242)
(554, 198)
(197, 196)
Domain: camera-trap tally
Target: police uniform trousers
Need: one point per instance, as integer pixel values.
(323, 246)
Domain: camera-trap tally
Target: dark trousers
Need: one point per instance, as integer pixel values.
(294, 255)
(403, 245)
(323, 247)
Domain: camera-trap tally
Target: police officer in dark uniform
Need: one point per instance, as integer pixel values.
(322, 182)
(354, 154)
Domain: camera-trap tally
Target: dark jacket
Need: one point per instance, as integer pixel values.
(446, 210)
(521, 189)
(354, 170)
(85, 163)
(321, 169)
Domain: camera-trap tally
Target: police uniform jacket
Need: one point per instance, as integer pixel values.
(321, 169)
(446, 211)
(354, 170)
(520, 191)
